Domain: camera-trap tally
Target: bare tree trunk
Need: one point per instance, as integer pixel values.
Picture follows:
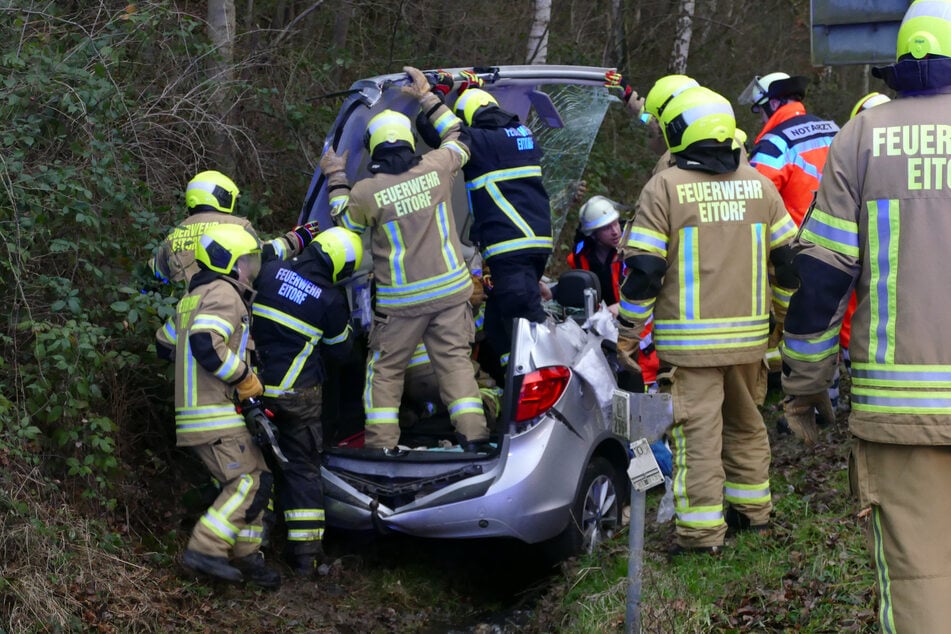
(678, 57)
(538, 35)
(616, 52)
(342, 17)
(221, 32)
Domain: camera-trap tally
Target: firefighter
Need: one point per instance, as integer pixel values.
(511, 213)
(422, 281)
(300, 315)
(597, 251)
(701, 243)
(207, 338)
(211, 198)
(879, 226)
(791, 148)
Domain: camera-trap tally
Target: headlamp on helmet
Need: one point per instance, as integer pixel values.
(389, 127)
(925, 30)
(596, 213)
(223, 244)
(697, 114)
(211, 190)
(471, 101)
(341, 250)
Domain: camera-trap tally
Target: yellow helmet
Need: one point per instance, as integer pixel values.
(697, 114)
(665, 89)
(598, 212)
(925, 30)
(739, 138)
(220, 247)
(471, 101)
(341, 249)
(211, 190)
(389, 126)
(870, 100)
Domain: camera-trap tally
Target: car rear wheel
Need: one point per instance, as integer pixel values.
(595, 513)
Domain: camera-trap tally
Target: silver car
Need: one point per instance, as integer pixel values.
(558, 471)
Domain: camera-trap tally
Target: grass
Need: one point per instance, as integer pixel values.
(811, 574)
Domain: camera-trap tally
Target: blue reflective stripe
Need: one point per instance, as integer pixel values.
(635, 311)
(711, 334)
(228, 368)
(297, 325)
(647, 240)
(689, 264)
(836, 234)
(348, 223)
(343, 336)
(170, 332)
(463, 406)
(759, 268)
(442, 222)
(420, 356)
(925, 376)
(445, 121)
(814, 348)
(213, 323)
(424, 290)
(886, 615)
(278, 245)
(518, 244)
(397, 252)
(782, 230)
(746, 493)
(527, 171)
(883, 236)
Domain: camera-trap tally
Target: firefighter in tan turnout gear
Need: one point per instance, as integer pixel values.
(208, 339)
(211, 198)
(880, 226)
(422, 281)
(701, 243)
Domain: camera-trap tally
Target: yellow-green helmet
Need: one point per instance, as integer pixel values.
(697, 114)
(870, 100)
(665, 89)
(925, 30)
(211, 190)
(389, 126)
(471, 101)
(341, 249)
(222, 244)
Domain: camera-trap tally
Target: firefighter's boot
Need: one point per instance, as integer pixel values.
(211, 565)
(254, 570)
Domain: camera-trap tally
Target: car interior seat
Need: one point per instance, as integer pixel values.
(570, 293)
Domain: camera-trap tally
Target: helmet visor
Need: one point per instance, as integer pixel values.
(754, 94)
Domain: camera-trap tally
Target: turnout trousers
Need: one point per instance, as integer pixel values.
(514, 294)
(907, 533)
(233, 524)
(720, 451)
(447, 334)
(299, 487)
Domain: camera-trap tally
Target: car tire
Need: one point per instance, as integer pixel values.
(595, 512)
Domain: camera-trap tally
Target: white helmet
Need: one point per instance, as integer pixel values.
(596, 213)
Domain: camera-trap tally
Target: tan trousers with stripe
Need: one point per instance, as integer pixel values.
(720, 450)
(225, 528)
(906, 487)
(393, 339)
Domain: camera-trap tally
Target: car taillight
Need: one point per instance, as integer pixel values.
(540, 390)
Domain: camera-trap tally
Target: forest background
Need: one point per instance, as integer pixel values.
(108, 108)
